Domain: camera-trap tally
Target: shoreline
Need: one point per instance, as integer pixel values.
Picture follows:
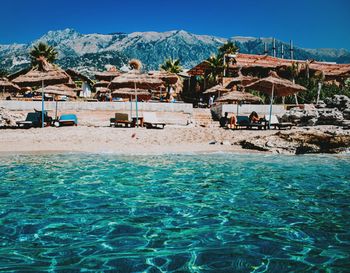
(171, 140)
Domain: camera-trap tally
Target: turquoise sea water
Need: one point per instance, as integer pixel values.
(174, 213)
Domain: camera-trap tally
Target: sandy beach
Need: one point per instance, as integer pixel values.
(125, 140)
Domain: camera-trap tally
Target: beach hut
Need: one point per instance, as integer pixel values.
(274, 86)
(43, 74)
(7, 86)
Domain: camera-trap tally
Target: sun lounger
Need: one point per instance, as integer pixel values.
(150, 120)
(243, 121)
(121, 119)
(276, 124)
(32, 120)
(67, 120)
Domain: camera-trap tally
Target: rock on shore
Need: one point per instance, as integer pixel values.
(301, 141)
(9, 118)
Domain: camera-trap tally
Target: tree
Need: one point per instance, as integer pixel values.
(3, 73)
(215, 69)
(171, 65)
(227, 48)
(42, 50)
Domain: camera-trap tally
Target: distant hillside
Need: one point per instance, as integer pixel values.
(90, 52)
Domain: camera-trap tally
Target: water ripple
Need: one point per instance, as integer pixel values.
(174, 213)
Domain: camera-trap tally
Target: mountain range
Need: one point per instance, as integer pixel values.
(90, 52)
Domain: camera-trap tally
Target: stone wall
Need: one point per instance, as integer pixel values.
(246, 109)
(98, 106)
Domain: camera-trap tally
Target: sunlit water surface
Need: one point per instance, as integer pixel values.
(174, 213)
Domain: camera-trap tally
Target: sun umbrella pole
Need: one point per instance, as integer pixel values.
(136, 108)
(56, 107)
(237, 107)
(318, 92)
(271, 101)
(42, 104)
(131, 106)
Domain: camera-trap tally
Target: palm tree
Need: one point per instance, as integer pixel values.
(227, 48)
(171, 65)
(42, 50)
(215, 69)
(3, 73)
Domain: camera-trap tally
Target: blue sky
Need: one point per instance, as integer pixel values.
(310, 23)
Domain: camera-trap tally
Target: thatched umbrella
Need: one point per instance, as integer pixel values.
(6, 85)
(240, 80)
(101, 84)
(273, 85)
(130, 93)
(142, 81)
(103, 90)
(217, 89)
(238, 97)
(108, 75)
(45, 73)
(167, 77)
(60, 90)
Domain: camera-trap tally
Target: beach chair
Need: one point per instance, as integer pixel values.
(121, 119)
(33, 119)
(277, 124)
(150, 120)
(67, 120)
(243, 121)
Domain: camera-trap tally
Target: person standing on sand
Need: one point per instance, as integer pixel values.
(211, 101)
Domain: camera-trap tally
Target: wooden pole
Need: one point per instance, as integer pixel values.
(42, 104)
(271, 101)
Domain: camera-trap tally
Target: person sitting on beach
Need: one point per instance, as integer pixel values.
(254, 117)
(233, 122)
(224, 120)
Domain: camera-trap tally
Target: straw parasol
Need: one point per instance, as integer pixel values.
(273, 85)
(8, 86)
(238, 97)
(103, 90)
(132, 78)
(60, 90)
(108, 75)
(130, 93)
(167, 77)
(240, 80)
(217, 89)
(101, 84)
(276, 86)
(45, 72)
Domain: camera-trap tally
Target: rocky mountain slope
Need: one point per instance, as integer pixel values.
(89, 52)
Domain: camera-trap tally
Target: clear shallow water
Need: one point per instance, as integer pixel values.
(202, 213)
